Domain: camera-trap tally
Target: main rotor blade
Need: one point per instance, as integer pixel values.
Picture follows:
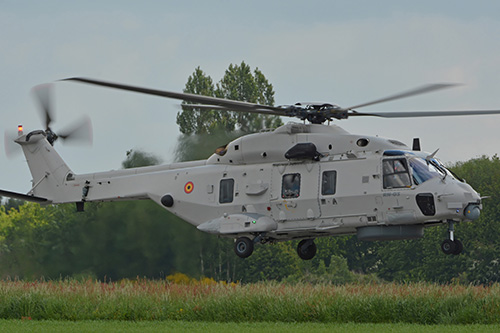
(43, 94)
(417, 114)
(229, 104)
(204, 107)
(413, 92)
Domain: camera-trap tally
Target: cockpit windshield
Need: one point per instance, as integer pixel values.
(423, 169)
(397, 171)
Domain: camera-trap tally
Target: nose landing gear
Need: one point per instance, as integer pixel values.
(451, 245)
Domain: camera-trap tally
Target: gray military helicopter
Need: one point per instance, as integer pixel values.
(300, 181)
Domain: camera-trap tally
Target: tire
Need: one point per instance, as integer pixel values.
(306, 249)
(243, 247)
(458, 247)
(448, 246)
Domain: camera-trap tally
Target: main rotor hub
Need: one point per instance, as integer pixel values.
(316, 113)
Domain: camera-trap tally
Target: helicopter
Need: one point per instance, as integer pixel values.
(300, 181)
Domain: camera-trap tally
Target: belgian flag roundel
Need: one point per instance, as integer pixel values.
(189, 187)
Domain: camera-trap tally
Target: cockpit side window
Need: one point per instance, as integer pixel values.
(290, 187)
(396, 173)
(221, 151)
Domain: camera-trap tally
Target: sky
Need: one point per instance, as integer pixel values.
(342, 52)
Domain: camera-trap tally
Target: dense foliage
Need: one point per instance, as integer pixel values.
(238, 83)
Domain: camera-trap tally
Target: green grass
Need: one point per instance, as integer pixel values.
(143, 300)
(203, 327)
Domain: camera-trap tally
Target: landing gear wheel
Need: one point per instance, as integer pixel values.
(306, 249)
(458, 247)
(448, 246)
(243, 247)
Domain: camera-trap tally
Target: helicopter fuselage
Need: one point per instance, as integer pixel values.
(298, 181)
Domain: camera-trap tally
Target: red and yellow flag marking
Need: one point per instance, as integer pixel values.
(189, 187)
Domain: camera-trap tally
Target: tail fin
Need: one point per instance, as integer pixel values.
(47, 168)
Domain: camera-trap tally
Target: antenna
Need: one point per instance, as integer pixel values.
(416, 144)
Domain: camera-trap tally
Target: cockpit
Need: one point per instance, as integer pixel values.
(408, 169)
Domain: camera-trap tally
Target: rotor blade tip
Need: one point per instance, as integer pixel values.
(75, 78)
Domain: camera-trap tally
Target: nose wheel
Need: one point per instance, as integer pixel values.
(452, 245)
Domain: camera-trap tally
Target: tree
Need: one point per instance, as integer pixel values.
(195, 121)
(239, 84)
(201, 146)
(36, 241)
(137, 158)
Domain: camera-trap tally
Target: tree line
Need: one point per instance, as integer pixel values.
(111, 241)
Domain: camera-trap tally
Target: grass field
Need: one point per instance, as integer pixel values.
(210, 302)
(204, 327)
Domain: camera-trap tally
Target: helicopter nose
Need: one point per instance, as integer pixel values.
(462, 198)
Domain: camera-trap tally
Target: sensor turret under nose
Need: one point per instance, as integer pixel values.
(472, 212)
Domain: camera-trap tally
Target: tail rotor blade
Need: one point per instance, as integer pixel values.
(11, 148)
(43, 94)
(79, 132)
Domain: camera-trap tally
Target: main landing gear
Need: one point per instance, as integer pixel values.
(451, 245)
(243, 247)
(306, 249)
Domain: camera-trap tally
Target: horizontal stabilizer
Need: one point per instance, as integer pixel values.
(24, 197)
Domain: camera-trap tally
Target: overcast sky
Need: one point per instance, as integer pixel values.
(343, 52)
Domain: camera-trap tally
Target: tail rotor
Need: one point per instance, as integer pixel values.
(78, 132)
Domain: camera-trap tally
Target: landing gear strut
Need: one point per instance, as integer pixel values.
(451, 245)
(306, 249)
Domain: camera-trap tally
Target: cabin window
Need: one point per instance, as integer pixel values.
(290, 186)
(226, 190)
(328, 182)
(396, 173)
